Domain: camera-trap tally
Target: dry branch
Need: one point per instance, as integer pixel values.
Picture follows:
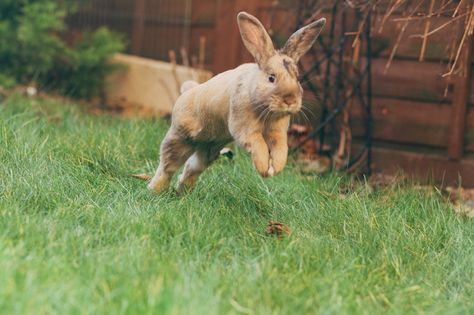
(427, 28)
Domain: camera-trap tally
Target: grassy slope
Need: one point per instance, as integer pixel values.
(77, 235)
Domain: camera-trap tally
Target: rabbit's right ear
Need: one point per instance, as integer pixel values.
(255, 38)
(302, 40)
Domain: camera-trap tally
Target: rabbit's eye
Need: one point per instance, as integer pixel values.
(271, 78)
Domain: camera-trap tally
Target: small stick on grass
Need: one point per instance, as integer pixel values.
(144, 177)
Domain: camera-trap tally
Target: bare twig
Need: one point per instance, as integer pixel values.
(395, 47)
(399, 38)
(390, 10)
(194, 65)
(184, 56)
(202, 57)
(172, 56)
(467, 31)
(370, 7)
(457, 8)
(171, 96)
(439, 27)
(425, 37)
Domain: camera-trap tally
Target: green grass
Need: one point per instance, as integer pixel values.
(79, 236)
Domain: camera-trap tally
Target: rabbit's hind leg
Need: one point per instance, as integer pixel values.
(174, 151)
(196, 164)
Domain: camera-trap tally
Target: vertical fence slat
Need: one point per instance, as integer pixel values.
(228, 51)
(460, 104)
(138, 27)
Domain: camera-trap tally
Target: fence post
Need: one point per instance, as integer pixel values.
(228, 49)
(460, 102)
(138, 27)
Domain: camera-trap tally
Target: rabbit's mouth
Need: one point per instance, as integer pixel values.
(276, 111)
(286, 108)
(283, 105)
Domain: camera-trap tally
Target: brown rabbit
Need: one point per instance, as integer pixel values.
(250, 104)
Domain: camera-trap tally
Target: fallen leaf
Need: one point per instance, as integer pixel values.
(462, 200)
(278, 229)
(313, 164)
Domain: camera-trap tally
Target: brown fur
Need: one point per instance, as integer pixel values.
(239, 104)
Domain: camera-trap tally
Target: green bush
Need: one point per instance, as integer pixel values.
(31, 49)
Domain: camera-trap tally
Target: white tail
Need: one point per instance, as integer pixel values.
(187, 85)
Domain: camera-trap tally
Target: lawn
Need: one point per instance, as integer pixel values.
(78, 235)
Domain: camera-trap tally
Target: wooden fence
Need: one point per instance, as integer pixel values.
(423, 123)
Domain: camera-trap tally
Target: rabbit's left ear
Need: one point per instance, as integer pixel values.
(255, 38)
(302, 40)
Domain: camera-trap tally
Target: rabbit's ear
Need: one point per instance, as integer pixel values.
(255, 38)
(302, 40)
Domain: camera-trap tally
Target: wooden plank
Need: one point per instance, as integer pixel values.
(228, 51)
(471, 90)
(409, 122)
(204, 11)
(138, 27)
(383, 39)
(210, 44)
(424, 167)
(226, 32)
(405, 121)
(460, 103)
(157, 41)
(469, 135)
(410, 80)
(438, 45)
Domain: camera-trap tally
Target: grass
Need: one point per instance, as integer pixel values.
(79, 236)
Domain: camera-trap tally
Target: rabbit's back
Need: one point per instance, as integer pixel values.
(203, 112)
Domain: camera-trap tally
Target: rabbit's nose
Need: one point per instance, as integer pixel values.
(289, 99)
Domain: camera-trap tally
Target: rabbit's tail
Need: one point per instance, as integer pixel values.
(187, 85)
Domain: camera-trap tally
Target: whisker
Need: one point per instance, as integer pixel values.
(311, 78)
(261, 114)
(306, 117)
(260, 107)
(309, 111)
(266, 117)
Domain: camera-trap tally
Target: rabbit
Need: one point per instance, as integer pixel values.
(250, 104)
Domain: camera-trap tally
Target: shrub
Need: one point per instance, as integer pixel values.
(31, 49)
